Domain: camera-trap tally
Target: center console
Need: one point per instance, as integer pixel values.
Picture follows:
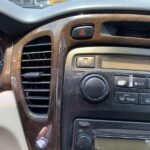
(106, 96)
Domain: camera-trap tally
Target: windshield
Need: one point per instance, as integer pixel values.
(36, 3)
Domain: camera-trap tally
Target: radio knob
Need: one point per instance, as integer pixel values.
(84, 142)
(94, 88)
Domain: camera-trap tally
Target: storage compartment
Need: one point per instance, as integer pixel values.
(126, 29)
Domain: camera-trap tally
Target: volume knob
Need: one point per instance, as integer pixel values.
(94, 88)
(84, 143)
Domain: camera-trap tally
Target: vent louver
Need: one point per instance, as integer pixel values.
(36, 74)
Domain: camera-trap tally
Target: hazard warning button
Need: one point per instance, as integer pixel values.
(83, 32)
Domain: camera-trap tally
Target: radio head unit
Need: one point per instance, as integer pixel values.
(91, 134)
(106, 83)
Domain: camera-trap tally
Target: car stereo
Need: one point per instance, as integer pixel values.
(106, 83)
(110, 135)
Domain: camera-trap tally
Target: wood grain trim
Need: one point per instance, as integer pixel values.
(60, 31)
(5, 75)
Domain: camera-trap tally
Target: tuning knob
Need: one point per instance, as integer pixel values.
(94, 88)
(84, 142)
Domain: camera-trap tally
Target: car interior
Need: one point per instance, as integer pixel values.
(74, 75)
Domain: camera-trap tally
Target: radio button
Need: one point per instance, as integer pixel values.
(84, 142)
(122, 81)
(84, 124)
(85, 62)
(139, 82)
(94, 88)
(126, 97)
(144, 98)
(149, 83)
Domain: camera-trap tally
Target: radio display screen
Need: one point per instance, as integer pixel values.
(121, 144)
(125, 63)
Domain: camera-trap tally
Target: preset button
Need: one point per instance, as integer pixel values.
(126, 97)
(144, 98)
(139, 82)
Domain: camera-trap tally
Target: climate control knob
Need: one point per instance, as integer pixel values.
(94, 88)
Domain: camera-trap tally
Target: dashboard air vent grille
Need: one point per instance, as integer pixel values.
(36, 74)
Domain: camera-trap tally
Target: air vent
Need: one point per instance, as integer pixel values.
(36, 74)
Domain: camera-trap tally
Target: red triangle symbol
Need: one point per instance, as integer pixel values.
(82, 32)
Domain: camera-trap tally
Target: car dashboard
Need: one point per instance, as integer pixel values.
(76, 75)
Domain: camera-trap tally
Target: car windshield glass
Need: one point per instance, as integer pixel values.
(36, 3)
